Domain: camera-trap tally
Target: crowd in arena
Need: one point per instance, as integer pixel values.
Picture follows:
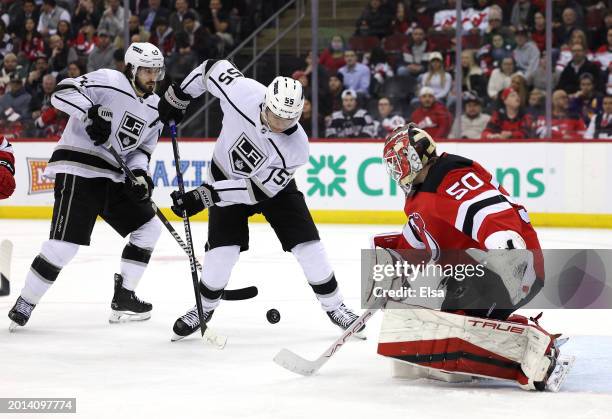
(398, 66)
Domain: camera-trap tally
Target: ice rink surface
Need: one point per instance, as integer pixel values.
(68, 349)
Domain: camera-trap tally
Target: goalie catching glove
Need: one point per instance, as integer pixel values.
(194, 201)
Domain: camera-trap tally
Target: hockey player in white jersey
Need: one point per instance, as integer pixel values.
(107, 108)
(260, 147)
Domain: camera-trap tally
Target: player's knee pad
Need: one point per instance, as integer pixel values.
(146, 235)
(218, 265)
(313, 259)
(58, 253)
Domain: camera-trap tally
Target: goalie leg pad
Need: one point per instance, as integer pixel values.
(467, 345)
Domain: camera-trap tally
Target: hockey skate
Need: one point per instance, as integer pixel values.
(126, 307)
(189, 323)
(20, 313)
(343, 317)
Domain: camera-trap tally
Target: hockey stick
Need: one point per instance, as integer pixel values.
(293, 362)
(230, 295)
(187, 224)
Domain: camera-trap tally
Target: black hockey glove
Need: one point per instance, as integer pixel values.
(143, 189)
(172, 104)
(194, 201)
(99, 127)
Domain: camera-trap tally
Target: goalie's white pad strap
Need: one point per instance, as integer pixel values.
(469, 345)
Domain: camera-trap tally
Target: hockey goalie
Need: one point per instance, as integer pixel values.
(456, 209)
(7, 169)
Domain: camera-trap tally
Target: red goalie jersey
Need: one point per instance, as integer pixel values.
(460, 206)
(7, 169)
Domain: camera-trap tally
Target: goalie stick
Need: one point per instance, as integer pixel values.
(6, 251)
(229, 295)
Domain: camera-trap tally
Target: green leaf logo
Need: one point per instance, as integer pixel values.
(326, 176)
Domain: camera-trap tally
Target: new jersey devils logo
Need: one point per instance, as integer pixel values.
(418, 225)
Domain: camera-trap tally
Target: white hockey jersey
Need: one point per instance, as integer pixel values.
(250, 163)
(135, 126)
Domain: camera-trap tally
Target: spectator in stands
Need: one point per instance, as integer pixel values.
(510, 121)
(217, 21)
(501, 77)
(86, 12)
(473, 79)
(138, 33)
(586, 102)
(301, 76)
(387, 119)
(14, 103)
(565, 52)
(155, 11)
(350, 122)
(42, 98)
(491, 55)
(538, 33)
(436, 77)
(535, 103)
(578, 66)
(113, 19)
(473, 121)
(10, 68)
(402, 20)
(539, 79)
(380, 69)
(564, 125)
(102, 54)
(603, 55)
(64, 29)
(74, 70)
(26, 11)
(176, 18)
(431, 115)
(526, 54)
(86, 40)
(414, 55)
(6, 42)
(163, 36)
(119, 60)
(522, 13)
(375, 20)
(332, 57)
(496, 26)
(183, 60)
(568, 25)
(356, 76)
(600, 126)
(559, 9)
(200, 39)
(518, 83)
(306, 119)
(50, 17)
(331, 100)
(61, 54)
(34, 80)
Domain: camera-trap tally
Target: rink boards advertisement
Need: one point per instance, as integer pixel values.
(562, 184)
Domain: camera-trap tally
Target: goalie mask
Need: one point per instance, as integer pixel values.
(407, 150)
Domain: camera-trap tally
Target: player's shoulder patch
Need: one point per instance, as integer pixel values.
(445, 164)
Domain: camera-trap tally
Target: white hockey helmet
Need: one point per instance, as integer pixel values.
(144, 54)
(285, 100)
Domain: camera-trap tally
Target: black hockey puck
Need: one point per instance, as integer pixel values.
(273, 316)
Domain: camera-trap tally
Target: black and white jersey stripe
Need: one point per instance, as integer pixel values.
(472, 213)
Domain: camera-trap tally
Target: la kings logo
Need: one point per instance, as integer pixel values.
(129, 131)
(245, 157)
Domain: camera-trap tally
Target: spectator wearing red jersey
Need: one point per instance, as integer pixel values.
(32, 42)
(565, 125)
(603, 55)
(510, 121)
(162, 36)
(332, 57)
(431, 115)
(538, 34)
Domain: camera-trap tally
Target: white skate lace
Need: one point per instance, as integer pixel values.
(24, 307)
(343, 316)
(191, 318)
